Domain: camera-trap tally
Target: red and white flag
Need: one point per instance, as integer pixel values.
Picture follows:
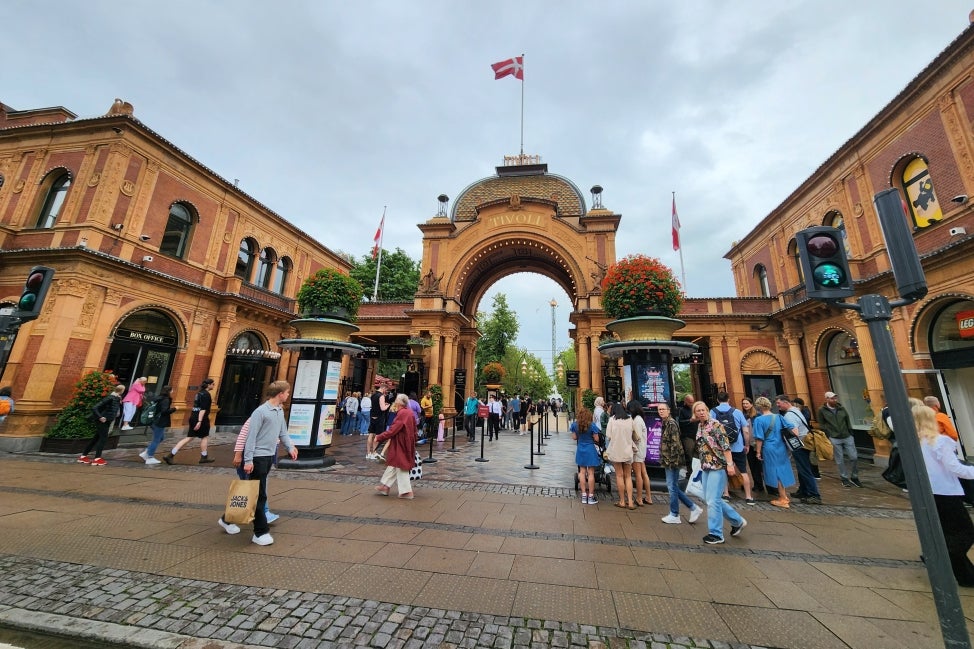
(378, 238)
(513, 66)
(676, 227)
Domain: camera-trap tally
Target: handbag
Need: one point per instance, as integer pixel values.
(894, 472)
(241, 502)
(695, 483)
(793, 441)
(416, 472)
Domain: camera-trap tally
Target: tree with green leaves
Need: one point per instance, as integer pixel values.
(498, 331)
(398, 277)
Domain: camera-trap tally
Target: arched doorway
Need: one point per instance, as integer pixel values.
(144, 344)
(250, 366)
(848, 380)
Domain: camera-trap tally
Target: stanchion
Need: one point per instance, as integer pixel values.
(453, 438)
(540, 435)
(532, 465)
(481, 458)
(547, 411)
(430, 459)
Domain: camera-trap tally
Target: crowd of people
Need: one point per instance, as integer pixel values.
(762, 447)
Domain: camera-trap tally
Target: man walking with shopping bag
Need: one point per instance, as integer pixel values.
(267, 427)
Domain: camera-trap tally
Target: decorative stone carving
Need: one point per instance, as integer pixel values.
(430, 283)
(127, 187)
(93, 180)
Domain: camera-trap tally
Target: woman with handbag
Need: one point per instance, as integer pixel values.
(104, 414)
(944, 470)
(772, 451)
(716, 462)
(401, 452)
(621, 435)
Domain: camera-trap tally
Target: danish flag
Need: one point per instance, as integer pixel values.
(513, 66)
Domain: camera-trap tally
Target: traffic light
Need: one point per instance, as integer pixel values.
(824, 263)
(35, 289)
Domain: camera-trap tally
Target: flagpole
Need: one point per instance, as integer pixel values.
(378, 266)
(683, 273)
(522, 106)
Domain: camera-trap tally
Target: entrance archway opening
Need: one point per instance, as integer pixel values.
(144, 344)
(250, 366)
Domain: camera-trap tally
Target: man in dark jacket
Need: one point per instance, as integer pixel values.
(834, 420)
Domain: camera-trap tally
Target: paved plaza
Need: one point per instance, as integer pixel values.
(489, 554)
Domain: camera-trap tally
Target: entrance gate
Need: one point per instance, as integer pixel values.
(523, 219)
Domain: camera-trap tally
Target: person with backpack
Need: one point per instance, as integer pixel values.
(738, 433)
(103, 414)
(157, 416)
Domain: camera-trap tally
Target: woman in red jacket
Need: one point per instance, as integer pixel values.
(401, 454)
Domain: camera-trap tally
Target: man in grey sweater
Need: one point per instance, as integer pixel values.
(267, 427)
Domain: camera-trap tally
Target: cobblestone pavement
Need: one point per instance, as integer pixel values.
(489, 554)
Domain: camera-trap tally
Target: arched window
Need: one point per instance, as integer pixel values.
(793, 253)
(921, 199)
(834, 219)
(280, 278)
(176, 237)
(268, 258)
(761, 275)
(245, 259)
(54, 200)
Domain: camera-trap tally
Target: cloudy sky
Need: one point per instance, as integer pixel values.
(327, 112)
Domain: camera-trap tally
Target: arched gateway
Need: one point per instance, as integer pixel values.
(521, 220)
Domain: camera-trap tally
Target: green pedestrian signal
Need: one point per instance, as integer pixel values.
(824, 263)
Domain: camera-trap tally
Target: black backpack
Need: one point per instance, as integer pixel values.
(726, 419)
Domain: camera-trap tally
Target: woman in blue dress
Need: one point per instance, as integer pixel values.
(772, 451)
(586, 433)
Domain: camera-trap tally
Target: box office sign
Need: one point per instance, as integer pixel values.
(144, 337)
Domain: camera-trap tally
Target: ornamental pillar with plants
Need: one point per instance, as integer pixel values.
(643, 297)
(328, 304)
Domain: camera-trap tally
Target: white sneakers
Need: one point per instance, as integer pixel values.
(229, 528)
(272, 517)
(671, 519)
(126, 428)
(695, 513)
(152, 460)
(263, 539)
(144, 455)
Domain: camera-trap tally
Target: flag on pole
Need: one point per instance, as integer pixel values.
(676, 226)
(378, 238)
(513, 66)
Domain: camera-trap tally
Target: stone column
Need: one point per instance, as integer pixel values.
(584, 373)
(734, 368)
(717, 361)
(799, 372)
(449, 353)
(596, 361)
(435, 371)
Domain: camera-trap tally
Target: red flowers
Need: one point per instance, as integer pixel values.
(640, 285)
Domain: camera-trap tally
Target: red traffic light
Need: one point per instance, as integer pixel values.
(35, 289)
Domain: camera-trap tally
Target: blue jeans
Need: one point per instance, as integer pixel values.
(158, 434)
(676, 494)
(846, 448)
(363, 421)
(806, 479)
(714, 483)
(243, 476)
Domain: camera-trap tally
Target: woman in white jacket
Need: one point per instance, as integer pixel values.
(944, 469)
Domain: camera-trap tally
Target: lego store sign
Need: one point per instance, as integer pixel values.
(965, 324)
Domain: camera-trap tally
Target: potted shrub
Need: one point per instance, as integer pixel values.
(639, 285)
(330, 294)
(642, 296)
(73, 426)
(417, 345)
(492, 374)
(328, 304)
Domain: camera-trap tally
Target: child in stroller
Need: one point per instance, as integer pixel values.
(588, 456)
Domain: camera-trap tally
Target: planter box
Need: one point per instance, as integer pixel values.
(72, 446)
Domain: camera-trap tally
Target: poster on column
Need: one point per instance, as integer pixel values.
(326, 424)
(300, 424)
(306, 379)
(332, 374)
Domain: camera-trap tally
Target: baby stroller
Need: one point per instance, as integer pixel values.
(603, 472)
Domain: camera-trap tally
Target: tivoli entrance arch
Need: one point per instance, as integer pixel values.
(521, 220)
